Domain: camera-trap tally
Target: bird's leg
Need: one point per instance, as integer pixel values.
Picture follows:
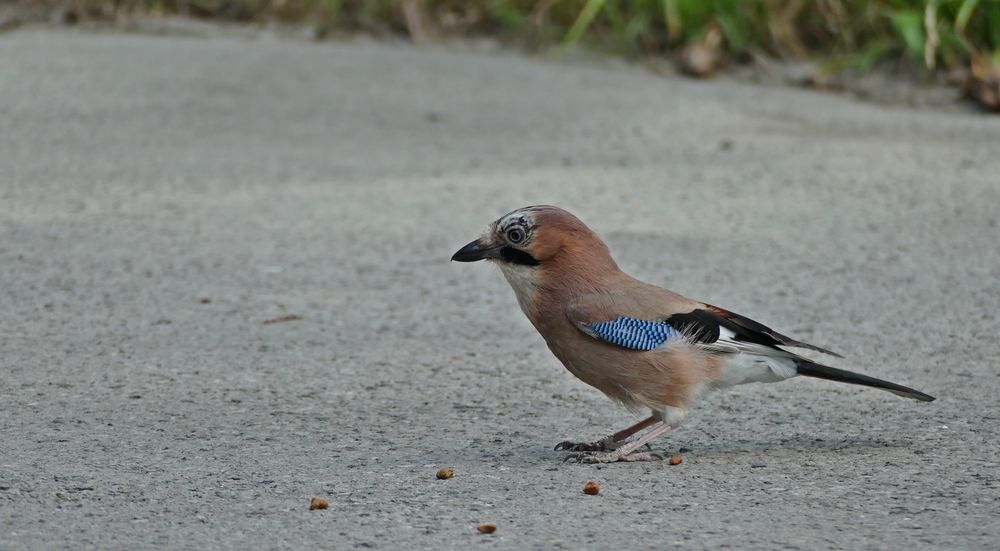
(624, 453)
(673, 418)
(608, 443)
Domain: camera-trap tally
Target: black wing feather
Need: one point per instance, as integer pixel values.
(703, 325)
(698, 325)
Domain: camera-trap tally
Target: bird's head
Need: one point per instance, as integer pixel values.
(534, 240)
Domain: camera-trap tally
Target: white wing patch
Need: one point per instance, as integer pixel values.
(727, 343)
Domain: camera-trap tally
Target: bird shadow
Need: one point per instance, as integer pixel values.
(710, 450)
(511, 453)
(800, 444)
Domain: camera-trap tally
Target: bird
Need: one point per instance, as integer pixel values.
(643, 346)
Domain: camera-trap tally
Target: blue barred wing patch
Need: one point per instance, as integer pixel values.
(634, 334)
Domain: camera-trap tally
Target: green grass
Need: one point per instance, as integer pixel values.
(926, 34)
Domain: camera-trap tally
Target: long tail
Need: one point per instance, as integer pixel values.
(810, 369)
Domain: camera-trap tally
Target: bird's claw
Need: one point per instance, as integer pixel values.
(566, 445)
(612, 457)
(602, 445)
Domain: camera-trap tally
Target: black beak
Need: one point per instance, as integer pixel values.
(477, 250)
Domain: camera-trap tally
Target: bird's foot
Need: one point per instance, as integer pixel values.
(602, 445)
(612, 457)
(606, 444)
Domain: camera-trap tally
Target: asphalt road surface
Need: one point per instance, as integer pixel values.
(225, 289)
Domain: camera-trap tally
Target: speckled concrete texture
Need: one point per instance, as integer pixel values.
(225, 289)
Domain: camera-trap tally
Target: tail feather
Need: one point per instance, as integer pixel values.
(819, 371)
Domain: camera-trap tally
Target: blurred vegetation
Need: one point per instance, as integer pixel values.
(926, 34)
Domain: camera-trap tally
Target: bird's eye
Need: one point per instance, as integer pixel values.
(515, 235)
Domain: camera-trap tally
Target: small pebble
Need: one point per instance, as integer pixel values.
(487, 528)
(318, 503)
(591, 488)
(445, 473)
(676, 460)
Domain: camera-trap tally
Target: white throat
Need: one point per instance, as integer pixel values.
(524, 281)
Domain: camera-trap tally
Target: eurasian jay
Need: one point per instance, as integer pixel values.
(641, 345)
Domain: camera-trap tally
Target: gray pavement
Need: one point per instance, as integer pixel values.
(163, 198)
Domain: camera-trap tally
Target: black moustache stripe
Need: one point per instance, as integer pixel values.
(516, 256)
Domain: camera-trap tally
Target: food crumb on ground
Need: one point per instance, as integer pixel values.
(318, 503)
(487, 528)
